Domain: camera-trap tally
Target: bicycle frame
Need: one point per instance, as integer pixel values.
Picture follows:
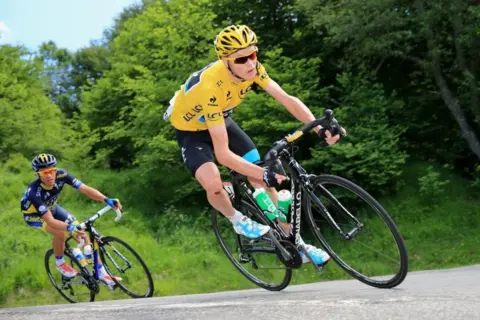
(301, 187)
(95, 239)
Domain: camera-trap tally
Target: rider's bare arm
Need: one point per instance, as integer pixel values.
(92, 193)
(294, 105)
(229, 159)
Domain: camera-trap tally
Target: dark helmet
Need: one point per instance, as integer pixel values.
(43, 160)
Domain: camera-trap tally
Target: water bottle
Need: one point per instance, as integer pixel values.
(266, 204)
(284, 201)
(87, 252)
(77, 253)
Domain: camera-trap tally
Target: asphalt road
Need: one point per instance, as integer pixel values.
(443, 294)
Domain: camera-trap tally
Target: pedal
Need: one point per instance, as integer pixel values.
(110, 287)
(244, 258)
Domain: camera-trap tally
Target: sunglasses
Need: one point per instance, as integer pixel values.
(244, 59)
(47, 172)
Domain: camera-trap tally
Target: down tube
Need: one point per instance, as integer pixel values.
(295, 211)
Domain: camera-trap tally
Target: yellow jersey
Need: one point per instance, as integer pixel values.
(210, 95)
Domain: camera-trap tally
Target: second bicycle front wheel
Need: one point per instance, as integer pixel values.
(121, 261)
(256, 259)
(356, 231)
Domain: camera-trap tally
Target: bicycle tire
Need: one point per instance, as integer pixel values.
(365, 196)
(111, 265)
(238, 265)
(51, 276)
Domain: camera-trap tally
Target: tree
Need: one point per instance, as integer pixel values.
(30, 122)
(412, 32)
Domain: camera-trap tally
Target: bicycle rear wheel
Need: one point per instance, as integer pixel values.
(375, 254)
(256, 259)
(73, 289)
(120, 260)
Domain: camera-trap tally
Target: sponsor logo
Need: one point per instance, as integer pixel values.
(264, 76)
(243, 92)
(214, 116)
(295, 211)
(184, 157)
(42, 208)
(219, 83)
(229, 95)
(213, 101)
(192, 113)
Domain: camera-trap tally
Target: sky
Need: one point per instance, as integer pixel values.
(70, 24)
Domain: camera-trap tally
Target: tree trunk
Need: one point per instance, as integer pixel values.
(447, 95)
(469, 75)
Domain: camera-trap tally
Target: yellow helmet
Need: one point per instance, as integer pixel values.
(234, 38)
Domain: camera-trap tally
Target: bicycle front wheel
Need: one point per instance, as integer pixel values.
(356, 231)
(256, 259)
(72, 289)
(126, 267)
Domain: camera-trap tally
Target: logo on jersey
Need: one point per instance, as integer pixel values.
(213, 101)
(219, 83)
(42, 208)
(229, 95)
(243, 92)
(264, 76)
(192, 113)
(214, 116)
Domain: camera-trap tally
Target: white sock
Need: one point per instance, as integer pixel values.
(101, 271)
(59, 261)
(237, 217)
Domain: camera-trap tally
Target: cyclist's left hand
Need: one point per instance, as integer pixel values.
(114, 203)
(273, 179)
(329, 138)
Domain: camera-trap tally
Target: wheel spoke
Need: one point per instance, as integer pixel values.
(375, 250)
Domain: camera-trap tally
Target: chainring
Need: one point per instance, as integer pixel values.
(295, 261)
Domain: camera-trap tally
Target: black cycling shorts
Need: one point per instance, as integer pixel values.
(197, 146)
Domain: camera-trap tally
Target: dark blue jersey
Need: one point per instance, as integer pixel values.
(39, 198)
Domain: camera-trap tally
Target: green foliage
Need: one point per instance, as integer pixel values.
(375, 63)
(370, 153)
(30, 122)
(430, 184)
(263, 118)
(409, 47)
(181, 250)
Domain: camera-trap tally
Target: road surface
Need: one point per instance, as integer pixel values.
(426, 295)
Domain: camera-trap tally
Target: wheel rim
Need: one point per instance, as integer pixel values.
(74, 289)
(262, 268)
(122, 261)
(374, 254)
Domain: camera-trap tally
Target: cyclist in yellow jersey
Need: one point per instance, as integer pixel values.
(200, 112)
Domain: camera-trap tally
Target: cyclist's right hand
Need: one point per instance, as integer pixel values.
(113, 203)
(273, 179)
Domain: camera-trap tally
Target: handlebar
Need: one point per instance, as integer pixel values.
(100, 213)
(328, 122)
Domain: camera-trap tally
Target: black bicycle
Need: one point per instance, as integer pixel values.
(122, 263)
(363, 240)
